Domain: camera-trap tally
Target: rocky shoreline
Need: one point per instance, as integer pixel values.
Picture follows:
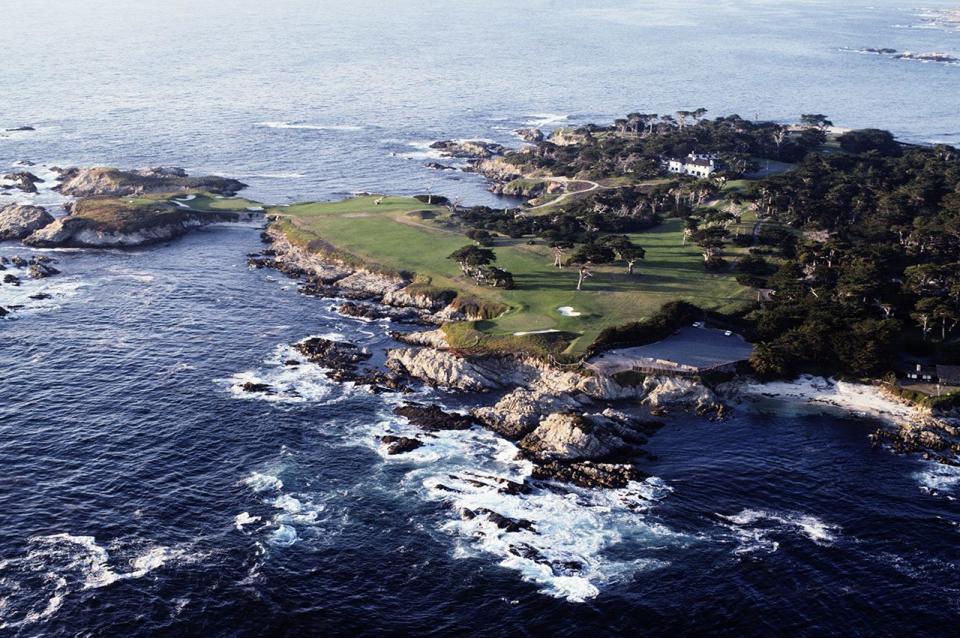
(566, 422)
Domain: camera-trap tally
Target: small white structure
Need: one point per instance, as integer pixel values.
(694, 164)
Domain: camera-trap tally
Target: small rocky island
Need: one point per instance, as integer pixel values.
(117, 208)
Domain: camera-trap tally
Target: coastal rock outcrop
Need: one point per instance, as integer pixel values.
(17, 221)
(568, 436)
(531, 135)
(399, 444)
(27, 182)
(327, 353)
(78, 231)
(433, 418)
(469, 149)
(103, 181)
(452, 371)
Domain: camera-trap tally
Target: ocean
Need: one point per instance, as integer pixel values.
(142, 494)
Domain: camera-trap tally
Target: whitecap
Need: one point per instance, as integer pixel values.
(310, 127)
(754, 529)
(546, 119)
(937, 477)
(261, 482)
(244, 518)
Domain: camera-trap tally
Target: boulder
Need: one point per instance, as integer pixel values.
(27, 182)
(433, 418)
(531, 135)
(338, 355)
(400, 444)
(566, 436)
(469, 149)
(250, 386)
(446, 369)
(589, 473)
(517, 413)
(17, 220)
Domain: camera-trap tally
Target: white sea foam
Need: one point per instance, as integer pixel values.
(243, 519)
(826, 394)
(311, 127)
(262, 482)
(546, 119)
(755, 530)
(284, 536)
(938, 478)
(571, 531)
(57, 565)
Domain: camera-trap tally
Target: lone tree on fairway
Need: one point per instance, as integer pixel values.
(625, 250)
(560, 249)
(592, 253)
(472, 258)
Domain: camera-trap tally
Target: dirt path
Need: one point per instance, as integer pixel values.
(564, 180)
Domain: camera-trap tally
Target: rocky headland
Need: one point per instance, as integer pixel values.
(568, 422)
(116, 208)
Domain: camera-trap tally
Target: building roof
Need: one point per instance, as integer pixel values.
(689, 349)
(949, 375)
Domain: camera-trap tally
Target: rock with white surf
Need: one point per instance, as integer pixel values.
(18, 221)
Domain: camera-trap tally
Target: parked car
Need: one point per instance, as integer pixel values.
(728, 333)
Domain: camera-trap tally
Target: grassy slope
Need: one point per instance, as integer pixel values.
(392, 238)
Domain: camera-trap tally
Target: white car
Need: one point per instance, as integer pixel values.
(727, 333)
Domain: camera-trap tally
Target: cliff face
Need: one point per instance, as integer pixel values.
(70, 231)
(76, 231)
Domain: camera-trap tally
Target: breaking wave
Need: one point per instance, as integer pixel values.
(33, 586)
(759, 530)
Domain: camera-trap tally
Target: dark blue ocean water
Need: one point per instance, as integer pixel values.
(141, 494)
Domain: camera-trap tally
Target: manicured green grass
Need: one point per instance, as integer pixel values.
(404, 235)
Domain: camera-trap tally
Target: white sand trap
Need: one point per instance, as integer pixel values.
(568, 311)
(535, 332)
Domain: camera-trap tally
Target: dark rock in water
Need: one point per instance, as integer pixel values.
(24, 181)
(589, 473)
(291, 362)
(316, 288)
(250, 386)
(11, 279)
(3, 312)
(19, 261)
(437, 166)
(503, 522)
(338, 355)
(400, 444)
(532, 135)
(372, 312)
(40, 296)
(502, 485)
(432, 418)
(20, 129)
(40, 271)
(383, 381)
(469, 149)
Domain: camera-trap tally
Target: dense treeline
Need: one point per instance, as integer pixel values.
(878, 270)
(636, 145)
